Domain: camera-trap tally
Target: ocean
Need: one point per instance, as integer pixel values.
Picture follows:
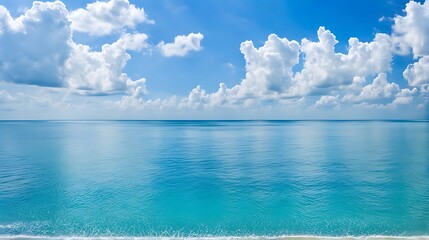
(214, 179)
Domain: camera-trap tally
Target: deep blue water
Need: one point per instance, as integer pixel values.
(214, 178)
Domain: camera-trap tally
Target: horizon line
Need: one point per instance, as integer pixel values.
(214, 120)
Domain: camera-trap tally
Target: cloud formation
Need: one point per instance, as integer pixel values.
(104, 18)
(311, 74)
(102, 72)
(326, 70)
(338, 77)
(268, 68)
(412, 31)
(328, 101)
(35, 46)
(417, 74)
(182, 45)
(376, 91)
(58, 61)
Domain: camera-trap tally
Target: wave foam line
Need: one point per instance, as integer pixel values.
(285, 237)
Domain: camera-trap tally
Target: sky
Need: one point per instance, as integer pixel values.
(214, 59)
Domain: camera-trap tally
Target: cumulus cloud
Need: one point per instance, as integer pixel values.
(378, 90)
(327, 101)
(182, 45)
(37, 49)
(102, 72)
(280, 72)
(412, 31)
(325, 69)
(103, 18)
(268, 68)
(199, 99)
(35, 46)
(338, 78)
(405, 96)
(380, 94)
(136, 101)
(7, 23)
(270, 76)
(417, 73)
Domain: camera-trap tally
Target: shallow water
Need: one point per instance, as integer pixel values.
(214, 178)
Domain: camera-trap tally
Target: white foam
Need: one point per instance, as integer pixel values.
(285, 237)
(7, 226)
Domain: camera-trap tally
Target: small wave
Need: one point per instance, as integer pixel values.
(293, 237)
(7, 226)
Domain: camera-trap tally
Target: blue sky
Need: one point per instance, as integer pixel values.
(55, 69)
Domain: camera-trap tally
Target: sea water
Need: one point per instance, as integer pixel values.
(213, 179)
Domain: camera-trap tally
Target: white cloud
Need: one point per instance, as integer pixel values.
(7, 23)
(417, 73)
(103, 18)
(134, 42)
(338, 78)
(405, 96)
(199, 99)
(326, 70)
(327, 101)
(268, 68)
(101, 72)
(378, 90)
(270, 76)
(196, 99)
(412, 30)
(136, 101)
(35, 46)
(182, 45)
(37, 49)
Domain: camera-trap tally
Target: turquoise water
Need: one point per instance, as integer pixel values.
(214, 178)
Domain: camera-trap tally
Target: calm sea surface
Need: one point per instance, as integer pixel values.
(214, 178)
